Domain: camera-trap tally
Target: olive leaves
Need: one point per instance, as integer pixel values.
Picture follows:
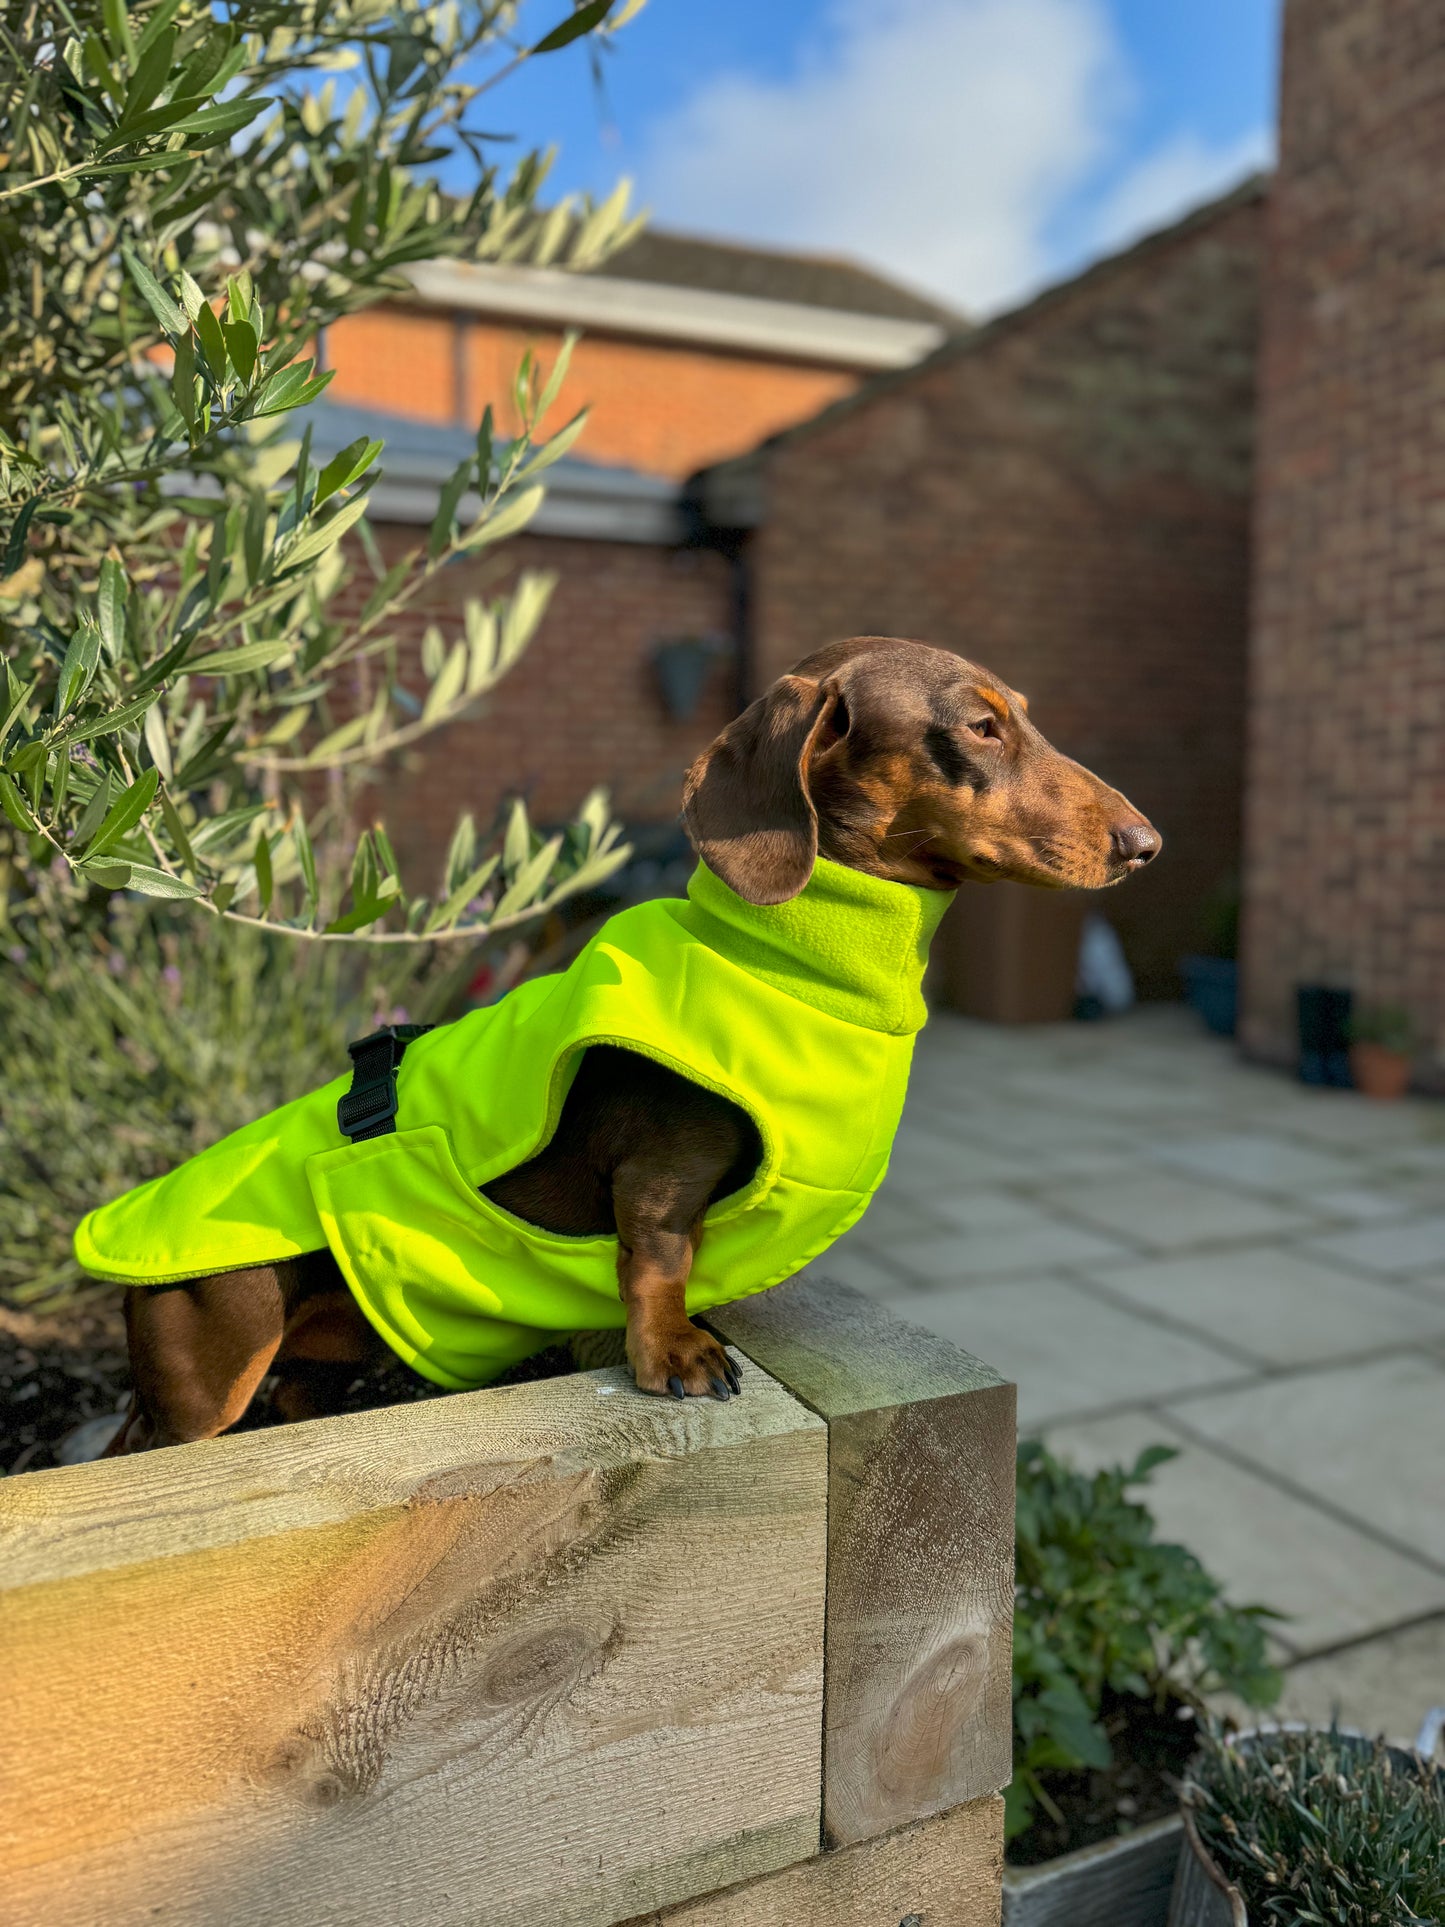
(191, 202)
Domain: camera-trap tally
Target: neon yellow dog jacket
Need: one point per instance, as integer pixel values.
(803, 1013)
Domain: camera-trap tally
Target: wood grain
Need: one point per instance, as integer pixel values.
(918, 1712)
(943, 1872)
(548, 1654)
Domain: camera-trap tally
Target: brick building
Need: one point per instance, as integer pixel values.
(1070, 494)
(692, 350)
(1345, 870)
(1064, 496)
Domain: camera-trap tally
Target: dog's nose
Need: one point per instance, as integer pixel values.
(1136, 843)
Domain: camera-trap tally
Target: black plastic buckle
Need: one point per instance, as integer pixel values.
(368, 1109)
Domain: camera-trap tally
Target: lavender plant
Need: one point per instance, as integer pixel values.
(1320, 1830)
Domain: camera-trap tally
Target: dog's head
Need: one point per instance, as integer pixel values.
(910, 763)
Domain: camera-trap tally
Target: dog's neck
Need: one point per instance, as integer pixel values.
(852, 944)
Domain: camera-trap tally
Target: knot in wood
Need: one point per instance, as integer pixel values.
(546, 1664)
(937, 1704)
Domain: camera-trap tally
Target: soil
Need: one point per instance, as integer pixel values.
(1151, 1751)
(57, 1371)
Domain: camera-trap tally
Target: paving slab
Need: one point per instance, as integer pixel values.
(1424, 1159)
(1258, 1161)
(1390, 1131)
(1384, 1686)
(1279, 1305)
(1070, 1354)
(1392, 1250)
(1041, 1129)
(932, 1161)
(1332, 1582)
(1027, 1241)
(900, 1214)
(1163, 1211)
(1361, 1204)
(852, 1262)
(1108, 1093)
(1368, 1439)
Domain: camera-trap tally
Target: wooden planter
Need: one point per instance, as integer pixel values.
(1118, 1883)
(555, 1653)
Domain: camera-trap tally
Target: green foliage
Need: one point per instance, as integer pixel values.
(1385, 1024)
(136, 1034)
(1101, 1605)
(191, 195)
(1320, 1830)
(1220, 935)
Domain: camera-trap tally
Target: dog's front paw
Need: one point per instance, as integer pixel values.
(679, 1361)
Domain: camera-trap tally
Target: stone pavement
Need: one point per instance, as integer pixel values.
(1160, 1243)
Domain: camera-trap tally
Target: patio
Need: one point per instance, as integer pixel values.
(1161, 1243)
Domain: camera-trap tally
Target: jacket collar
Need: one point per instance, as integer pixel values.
(851, 945)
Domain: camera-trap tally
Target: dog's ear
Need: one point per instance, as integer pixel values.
(746, 804)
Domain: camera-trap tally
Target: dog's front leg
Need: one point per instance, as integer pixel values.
(658, 1226)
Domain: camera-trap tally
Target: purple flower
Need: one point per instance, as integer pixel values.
(115, 963)
(171, 976)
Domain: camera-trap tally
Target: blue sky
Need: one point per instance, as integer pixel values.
(976, 148)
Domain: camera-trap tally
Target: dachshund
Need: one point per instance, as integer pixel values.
(891, 757)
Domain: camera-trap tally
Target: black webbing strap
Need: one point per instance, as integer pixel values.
(369, 1107)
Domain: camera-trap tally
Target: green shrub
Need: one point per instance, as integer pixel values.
(138, 1033)
(1101, 1606)
(1384, 1024)
(1317, 1830)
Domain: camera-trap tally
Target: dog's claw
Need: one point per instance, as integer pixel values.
(720, 1390)
(674, 1385)
(734, 1377)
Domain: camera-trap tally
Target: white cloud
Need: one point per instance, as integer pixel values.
(964, 146)
(1165, 184)
(933, 137)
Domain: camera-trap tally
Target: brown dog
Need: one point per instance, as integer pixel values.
(891, 757)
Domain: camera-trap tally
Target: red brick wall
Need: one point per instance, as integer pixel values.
(580, 708)
(658, 406)
(1065, 501)
(1345, 878)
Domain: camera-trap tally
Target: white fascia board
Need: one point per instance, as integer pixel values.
(588, 514)
(661, 312)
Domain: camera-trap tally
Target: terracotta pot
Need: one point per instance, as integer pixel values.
(1379, 1071)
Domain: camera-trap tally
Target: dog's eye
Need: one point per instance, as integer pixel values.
(986, 727)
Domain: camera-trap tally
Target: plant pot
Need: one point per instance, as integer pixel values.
(1379, 1071)
(1117, 1883)
(1203, 1896)
(1211, 985)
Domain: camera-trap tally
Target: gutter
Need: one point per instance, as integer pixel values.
(584, 500)
(659, 311)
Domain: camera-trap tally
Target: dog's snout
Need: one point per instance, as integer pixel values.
(1136, 842)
